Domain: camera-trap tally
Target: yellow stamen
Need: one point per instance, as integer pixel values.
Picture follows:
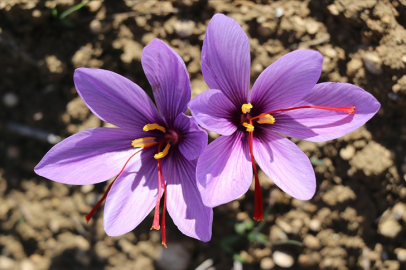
(143, 142)
(149, 127)
(246, 108)
(163, 153)
(266, 119)
(248, 126)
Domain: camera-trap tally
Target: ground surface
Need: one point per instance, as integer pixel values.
(356, 220)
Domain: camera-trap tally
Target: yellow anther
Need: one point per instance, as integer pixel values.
(143, 142)
(266, 119)
(248, 126)
(246, 108)
(149, 127)
(163, 153)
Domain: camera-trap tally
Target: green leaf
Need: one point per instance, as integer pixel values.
(257, 237)
(55, 12)
(249, 224)
(316, 162)
(227, 243)
(240, 228)
(237, 257)
(73, 9)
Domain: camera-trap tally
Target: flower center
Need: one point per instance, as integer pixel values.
(170, 138)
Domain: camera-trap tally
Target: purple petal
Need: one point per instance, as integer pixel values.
(226, 58)
(224, 170)
(184, 201)
(214, 111)
(133, 195)
(88, 157)
(320, 125)
(193, 139)
(115, 99)
(169, 79)
(287, 166)
(287, 80)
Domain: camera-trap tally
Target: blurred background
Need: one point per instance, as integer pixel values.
(356, 220)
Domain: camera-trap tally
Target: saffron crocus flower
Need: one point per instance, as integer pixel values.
(285, 99)
(152, 151)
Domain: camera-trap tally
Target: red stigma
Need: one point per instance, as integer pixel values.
(349, 110)
(161, 181)
(258, 206)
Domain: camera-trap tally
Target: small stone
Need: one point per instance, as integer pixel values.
(184, 28)
(353, 66)
(283, 259)
(37, 116)
(333, 9)
(286, 227)
(13, 151)
(276, 234)
(266, 29)
(315, 225)
(404, 58)
(312, 27)
(279, 12)
(244, 9)
(403, 168)
(311, 242)
(396, 88)
(6, 263)
(96, 27)
(36, 13)
(373, 63)
(26, 265)
(10, 99)
(389, 228)
(330, 52)
(267, 263)
(94, 5)
(309, 260)
(86, 188)
(348, 152)
(82, 243)
(399, 210)
(401, 254)
(176, 257)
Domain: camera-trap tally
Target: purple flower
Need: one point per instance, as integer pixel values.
(170, 144)
(285, 99)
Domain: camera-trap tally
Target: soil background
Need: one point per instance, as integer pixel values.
(356, 220)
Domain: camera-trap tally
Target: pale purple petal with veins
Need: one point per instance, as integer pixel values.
(287, 80)
(88, 157)
(224, 170)
(320, 125)
(184, 201)
(226, 58)
(214, 111)
(115, 99)
(193, 140)
(287, 166)
(133, 195)
(169, 79)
